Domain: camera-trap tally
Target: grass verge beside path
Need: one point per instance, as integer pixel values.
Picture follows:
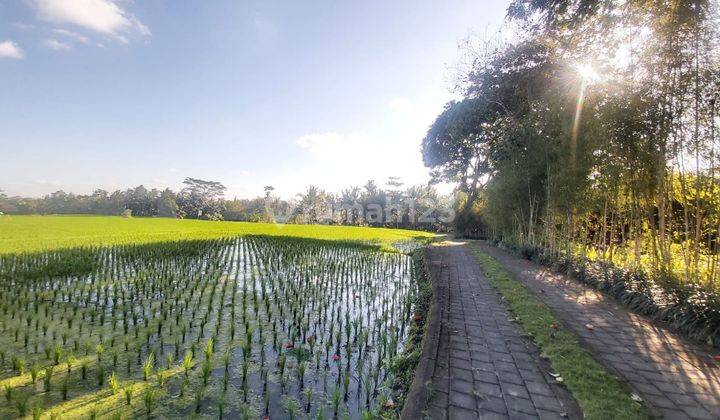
(599, 394)
(20, 234)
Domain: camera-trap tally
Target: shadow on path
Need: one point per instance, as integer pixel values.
(483, 366)
(678, 379)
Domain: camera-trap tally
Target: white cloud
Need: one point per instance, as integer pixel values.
(9, 49)
(72, 35)
(102, 16)
(390, 146)
(56, 45)
(343, 160)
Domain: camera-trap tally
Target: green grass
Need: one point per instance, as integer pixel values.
(20, 234)
(599, 394)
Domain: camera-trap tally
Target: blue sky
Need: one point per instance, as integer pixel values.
(112, 94)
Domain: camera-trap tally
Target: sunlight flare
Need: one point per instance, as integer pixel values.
(588, 76)
(588, 73)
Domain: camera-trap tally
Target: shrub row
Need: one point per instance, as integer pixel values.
(691, 309)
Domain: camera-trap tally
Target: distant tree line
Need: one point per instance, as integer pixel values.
(417, 207)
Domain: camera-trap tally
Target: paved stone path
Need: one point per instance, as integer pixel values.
(483, 367)
(676, 378)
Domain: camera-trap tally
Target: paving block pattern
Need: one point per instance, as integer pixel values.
(676, 378)
(484, 367)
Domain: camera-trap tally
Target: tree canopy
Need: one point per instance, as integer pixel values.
(592, 130)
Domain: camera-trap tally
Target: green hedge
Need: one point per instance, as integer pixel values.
(692, 309)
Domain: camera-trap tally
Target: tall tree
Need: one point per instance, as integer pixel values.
(201, 199)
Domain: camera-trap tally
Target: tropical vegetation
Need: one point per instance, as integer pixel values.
(413, 207)
(587, 139)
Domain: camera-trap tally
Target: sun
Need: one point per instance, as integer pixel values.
(588, 73)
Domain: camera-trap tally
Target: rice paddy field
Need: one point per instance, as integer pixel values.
(40, 233)
(238, 326)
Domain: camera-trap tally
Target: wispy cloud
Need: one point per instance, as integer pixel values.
(72, 35)
(104, 17)
(56, 45)
(24, 26)
(9, 49)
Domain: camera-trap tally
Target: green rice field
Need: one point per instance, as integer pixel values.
(39, 233)
(220, 322)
